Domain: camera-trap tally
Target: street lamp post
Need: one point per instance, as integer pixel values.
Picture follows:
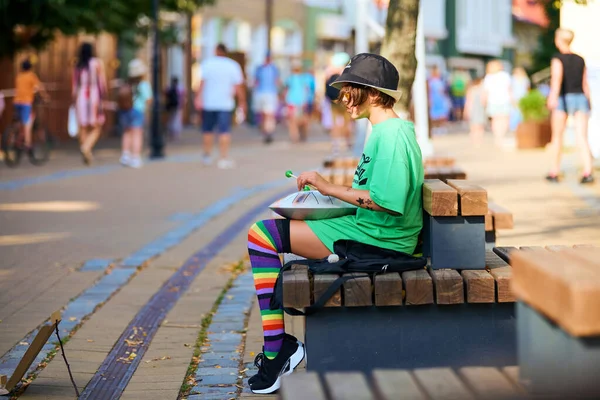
(156, 142)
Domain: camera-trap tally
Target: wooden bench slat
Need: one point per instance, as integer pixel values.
(512, 373)
(321, 283)
(503, 219)
(448, 287)
(396, 385)
(502, 274)
(439, 199)
(357, 291)
(442, 384)
(439, 161)
(564, 288)
(338, 176)
(556, 249)
(532, 248)
(479, 285)
(489, 383)
(418, 286)
(388, 289)
(504, 252)
(302, 386)
(473, 199)
(347, 386)
(584, 246)
(296, 287)
(489, 221)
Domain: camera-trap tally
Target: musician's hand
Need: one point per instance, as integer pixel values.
(315, 180)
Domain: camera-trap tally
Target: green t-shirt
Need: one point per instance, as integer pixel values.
(391, 169)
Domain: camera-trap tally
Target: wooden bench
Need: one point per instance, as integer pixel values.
(417, 319)
(558, 292)
(468, 383)
(341, 170)
(497, 218)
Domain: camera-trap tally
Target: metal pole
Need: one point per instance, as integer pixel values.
(420, 91)
(156, 142)
(269, 19)
(361, 45)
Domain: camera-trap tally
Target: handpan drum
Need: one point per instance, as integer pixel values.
(311, 205)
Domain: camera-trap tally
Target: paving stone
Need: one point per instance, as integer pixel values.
(225, 337)
(133, 261)
(118, 276)
(223, 363)
(217, 380)
(203, 387)
(210, 393)
(221, 347)
(216, 371)
(230, 326)
(96, 264)
(220, 356)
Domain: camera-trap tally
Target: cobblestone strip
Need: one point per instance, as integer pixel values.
(218, 375)
(82, 306)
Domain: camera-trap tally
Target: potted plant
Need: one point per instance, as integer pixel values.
(534, 131)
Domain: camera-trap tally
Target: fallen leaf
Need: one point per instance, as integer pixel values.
(132, 356)
(229, 297)
(217, 366)
(24, 343)
(73, 319)
(251, 354)
(187, 345)
(90, 341)
(132, 343)
(246, 369)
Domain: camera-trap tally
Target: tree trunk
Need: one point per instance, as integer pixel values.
(399, 46)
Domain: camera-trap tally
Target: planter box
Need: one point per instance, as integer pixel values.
(531, 135)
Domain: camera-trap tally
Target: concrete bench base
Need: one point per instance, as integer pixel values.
(365, 338)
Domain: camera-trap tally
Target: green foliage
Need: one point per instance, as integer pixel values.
(533, 106)
(546, 48)
(33, 23)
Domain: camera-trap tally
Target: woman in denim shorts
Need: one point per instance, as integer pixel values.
(569, 95)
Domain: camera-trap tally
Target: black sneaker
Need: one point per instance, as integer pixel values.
(587, 179)
(286, 337)
(552, 178)
(268, 378)
(268, 138)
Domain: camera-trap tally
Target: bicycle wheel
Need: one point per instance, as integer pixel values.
(40, 145)
(11, 147)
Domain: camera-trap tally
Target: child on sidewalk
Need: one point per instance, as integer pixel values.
(387, 191)
(134, 99)
(26, 85)
(475, 111)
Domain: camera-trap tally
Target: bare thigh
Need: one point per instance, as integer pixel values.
(305, 243)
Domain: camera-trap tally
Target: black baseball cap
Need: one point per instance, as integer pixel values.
(371, 70)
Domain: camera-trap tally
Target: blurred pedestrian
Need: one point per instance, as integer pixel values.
(174, 99)
(474, 110)
(88, 91)
(133, 101)
(297, 93)
(26, 85)
(520, 86)
(310, 105)
(266, 96)
(498, 99)
(341, 123)
(459, 82)
(222, 82)
(439, 103)
(569, 95)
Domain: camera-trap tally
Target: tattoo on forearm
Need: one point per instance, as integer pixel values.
(360, 201)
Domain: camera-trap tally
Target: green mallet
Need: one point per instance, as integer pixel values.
(290, 174)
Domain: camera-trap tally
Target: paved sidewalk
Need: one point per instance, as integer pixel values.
(154, 218)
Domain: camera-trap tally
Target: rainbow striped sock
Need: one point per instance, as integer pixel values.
(264, 245)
